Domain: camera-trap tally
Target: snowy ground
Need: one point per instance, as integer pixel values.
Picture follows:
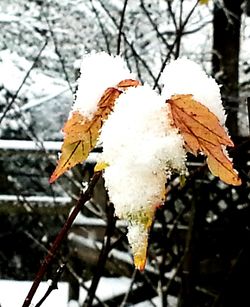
(13, 293)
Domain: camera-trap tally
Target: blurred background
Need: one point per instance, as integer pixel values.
(199, 247)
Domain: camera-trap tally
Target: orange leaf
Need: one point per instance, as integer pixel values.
(202, 132)
(81, 133)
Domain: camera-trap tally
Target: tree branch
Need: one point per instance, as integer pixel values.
(58, 240)
(23, 82)
(103, 255)
(120, 27)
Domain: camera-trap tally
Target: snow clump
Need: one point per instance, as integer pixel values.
(99, 71)
(184, 76)
(140, 147)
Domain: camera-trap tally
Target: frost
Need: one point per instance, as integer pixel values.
(141, 148)
(184, 76)
(99, 71)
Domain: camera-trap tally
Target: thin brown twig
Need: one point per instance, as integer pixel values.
(58, 240)
(53, 285)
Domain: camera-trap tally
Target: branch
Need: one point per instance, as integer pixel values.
(23, 82)
(136, 55)
(154, 25)
(120, 27)
(53, 285)
(180, 32)
(58, 240)
(101, 26)
(59, 54)
(103, 256)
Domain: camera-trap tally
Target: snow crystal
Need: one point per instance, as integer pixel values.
(184, 76)
(99, 71)
(140, 146)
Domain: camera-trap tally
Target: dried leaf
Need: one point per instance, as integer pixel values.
(202, 132)
(81, 134)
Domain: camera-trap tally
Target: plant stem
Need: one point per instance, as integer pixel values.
(58, 240)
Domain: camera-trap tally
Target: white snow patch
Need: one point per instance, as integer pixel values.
(139, 146)
(184, 76)
(99, 71)
(20, 289)
(107, 288)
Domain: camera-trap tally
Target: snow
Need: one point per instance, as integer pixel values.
(99, 71)
(13, 293)
(184, 76)
(49, 98)
(40, 199)
(141, 149)
(50, 146)
(139, 146)
(29, 145)
(107, 288)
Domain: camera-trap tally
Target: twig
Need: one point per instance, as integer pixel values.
(82, 284)
(120, 27)
(124, 301)
(174, 43)
(53, 285)
(144, 63)
(248, 109)
(101, 27)
(23, 82)
(59, 54)
(68, 267)
(57, 242)
(154, 25)
(103, 256)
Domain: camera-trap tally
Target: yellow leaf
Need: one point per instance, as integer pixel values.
(100, 166)
(202, 132)
(81, 134)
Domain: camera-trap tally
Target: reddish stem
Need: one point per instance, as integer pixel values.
(58, 240)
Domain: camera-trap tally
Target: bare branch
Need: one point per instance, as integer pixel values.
(101, 27)
(59, 54)
(120, 27)
(159, 34)
(23, 82)
(167, 58)
(53, 285)
(57, 242)
(103, 255)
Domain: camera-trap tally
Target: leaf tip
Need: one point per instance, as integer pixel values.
(53, 177)
(140, 262)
